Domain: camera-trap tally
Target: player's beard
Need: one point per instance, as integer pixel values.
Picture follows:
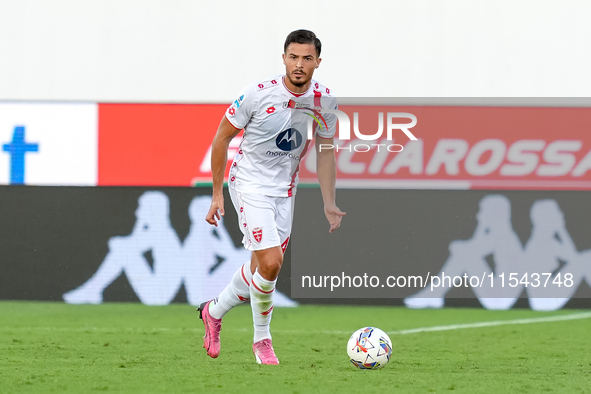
(299, 82)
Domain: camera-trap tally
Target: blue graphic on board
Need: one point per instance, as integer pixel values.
(17, 149)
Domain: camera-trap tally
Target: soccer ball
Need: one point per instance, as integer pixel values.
(369, 348)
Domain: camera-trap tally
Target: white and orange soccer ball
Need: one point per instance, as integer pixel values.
(369, 348)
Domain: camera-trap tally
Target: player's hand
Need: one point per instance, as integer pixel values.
(334, 216)
(216, 211)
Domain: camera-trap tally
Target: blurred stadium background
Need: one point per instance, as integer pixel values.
(108, 109)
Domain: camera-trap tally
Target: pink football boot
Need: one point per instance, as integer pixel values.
(213, 326)
(264, 353)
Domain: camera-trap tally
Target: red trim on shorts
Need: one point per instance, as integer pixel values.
(284, 245)
(242, 298)
(261, 290)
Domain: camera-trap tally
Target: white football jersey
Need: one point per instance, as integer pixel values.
(275, 123)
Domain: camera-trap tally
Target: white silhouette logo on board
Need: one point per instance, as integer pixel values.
(550, 249)
(204, 263)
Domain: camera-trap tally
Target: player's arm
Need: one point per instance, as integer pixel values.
(327, 174)
(219, 159)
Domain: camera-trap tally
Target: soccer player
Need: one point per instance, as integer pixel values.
(263, 180)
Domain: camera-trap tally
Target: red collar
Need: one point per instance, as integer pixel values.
(295, 94)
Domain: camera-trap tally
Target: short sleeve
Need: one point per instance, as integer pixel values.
(331, 119)
(243, 108)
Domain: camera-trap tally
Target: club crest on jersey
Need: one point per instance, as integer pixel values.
(257, 233)
(289, 139)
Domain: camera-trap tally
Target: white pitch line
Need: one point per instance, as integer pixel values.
(546, 319)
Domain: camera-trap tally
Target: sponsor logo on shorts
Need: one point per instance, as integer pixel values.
(257, 233)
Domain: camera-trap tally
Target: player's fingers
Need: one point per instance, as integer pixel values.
(210, 218)
(211, 221)
(334, 226)
(222, 212)
(217, 215)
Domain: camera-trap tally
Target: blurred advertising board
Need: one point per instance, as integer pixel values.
(456, 147)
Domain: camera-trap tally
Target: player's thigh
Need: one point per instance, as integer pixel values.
(284, 219)
(257, 220)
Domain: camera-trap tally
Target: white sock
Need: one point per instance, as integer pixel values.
(234, 294)
(261, 301)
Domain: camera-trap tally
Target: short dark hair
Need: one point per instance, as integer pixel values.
(303, 37)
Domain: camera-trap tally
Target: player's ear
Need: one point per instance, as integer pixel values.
(318, 62)
(283, 57)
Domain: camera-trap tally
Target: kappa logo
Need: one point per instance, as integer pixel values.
(289, 139)
(201, 265)
(257, 233)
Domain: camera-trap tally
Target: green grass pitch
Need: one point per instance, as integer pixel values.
(54, 347)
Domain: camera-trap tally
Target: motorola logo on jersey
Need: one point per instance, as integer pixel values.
(289, 139)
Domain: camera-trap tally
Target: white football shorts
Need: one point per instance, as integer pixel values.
(265, 221)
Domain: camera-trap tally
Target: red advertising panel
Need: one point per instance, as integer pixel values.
(465, 147)
(455, 147)
(154, 144)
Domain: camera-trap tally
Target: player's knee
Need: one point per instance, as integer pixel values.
(270, 268)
